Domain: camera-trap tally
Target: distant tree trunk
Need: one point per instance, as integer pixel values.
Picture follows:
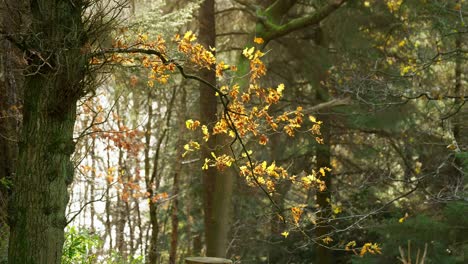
(153, 182)
(53, 84)
(176, 182)
(459, 126)
(92, 182)
(152, 254)
(217, 185)
(108, 210)
(120, 210)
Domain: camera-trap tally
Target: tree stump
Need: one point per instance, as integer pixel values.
(206, 260)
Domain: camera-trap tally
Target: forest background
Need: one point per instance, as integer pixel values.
(353, 149)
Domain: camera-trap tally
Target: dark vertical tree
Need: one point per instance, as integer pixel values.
(53, 83)
(217, 185)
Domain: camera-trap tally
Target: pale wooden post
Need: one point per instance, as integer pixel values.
(207, 260)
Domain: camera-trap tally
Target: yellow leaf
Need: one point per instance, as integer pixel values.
(206, 134)
(452, 146)
(189, 123)
(402, 43)
(263, 140)
(280, 89)
(336, 209)
(322, 171)
(205, 166)
(258, 40)
(327, 240)
(296, 213)
(248, 52)
(403, 219)
(189, 36)
(285, 234)
(350, 245)
(312, 119)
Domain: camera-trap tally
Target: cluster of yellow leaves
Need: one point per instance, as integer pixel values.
(313, 180)
(220, 162)
(370, 248)
(195, 52)
(394, 5)
(327, 240)
(296, 213)
(159, 71)
(247, 108)
(190, 147)
(263, 174)
(257, 68)
(350, 245)
(249, 117)
(336, 209)
(192, 125)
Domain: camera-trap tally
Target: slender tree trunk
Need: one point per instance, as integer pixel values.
(93, 180)
(153, 252)
(176, 183)
(217, 185)
(323, 154)
(120, 212)
(459, 126)
(108, 223)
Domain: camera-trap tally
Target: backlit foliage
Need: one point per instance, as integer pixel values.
(245, 117)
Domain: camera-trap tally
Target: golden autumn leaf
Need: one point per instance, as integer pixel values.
(259, 40)
(327, 240)
(350, 245)
(403, 219)
(248, 52)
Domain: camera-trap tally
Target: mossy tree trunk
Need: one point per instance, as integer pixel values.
(53, 84)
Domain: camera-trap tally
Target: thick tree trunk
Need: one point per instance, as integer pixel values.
(53, 84)
(11, 81)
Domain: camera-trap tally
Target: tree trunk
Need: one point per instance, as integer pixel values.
(53, 84)
(11, 82)
(459, 126)
(323, 154)
(176, 182)
(217, 185)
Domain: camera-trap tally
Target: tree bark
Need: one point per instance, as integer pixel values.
(176, 182)
(323, 154)
(11, 82)
(217, 185)
(53, 84)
